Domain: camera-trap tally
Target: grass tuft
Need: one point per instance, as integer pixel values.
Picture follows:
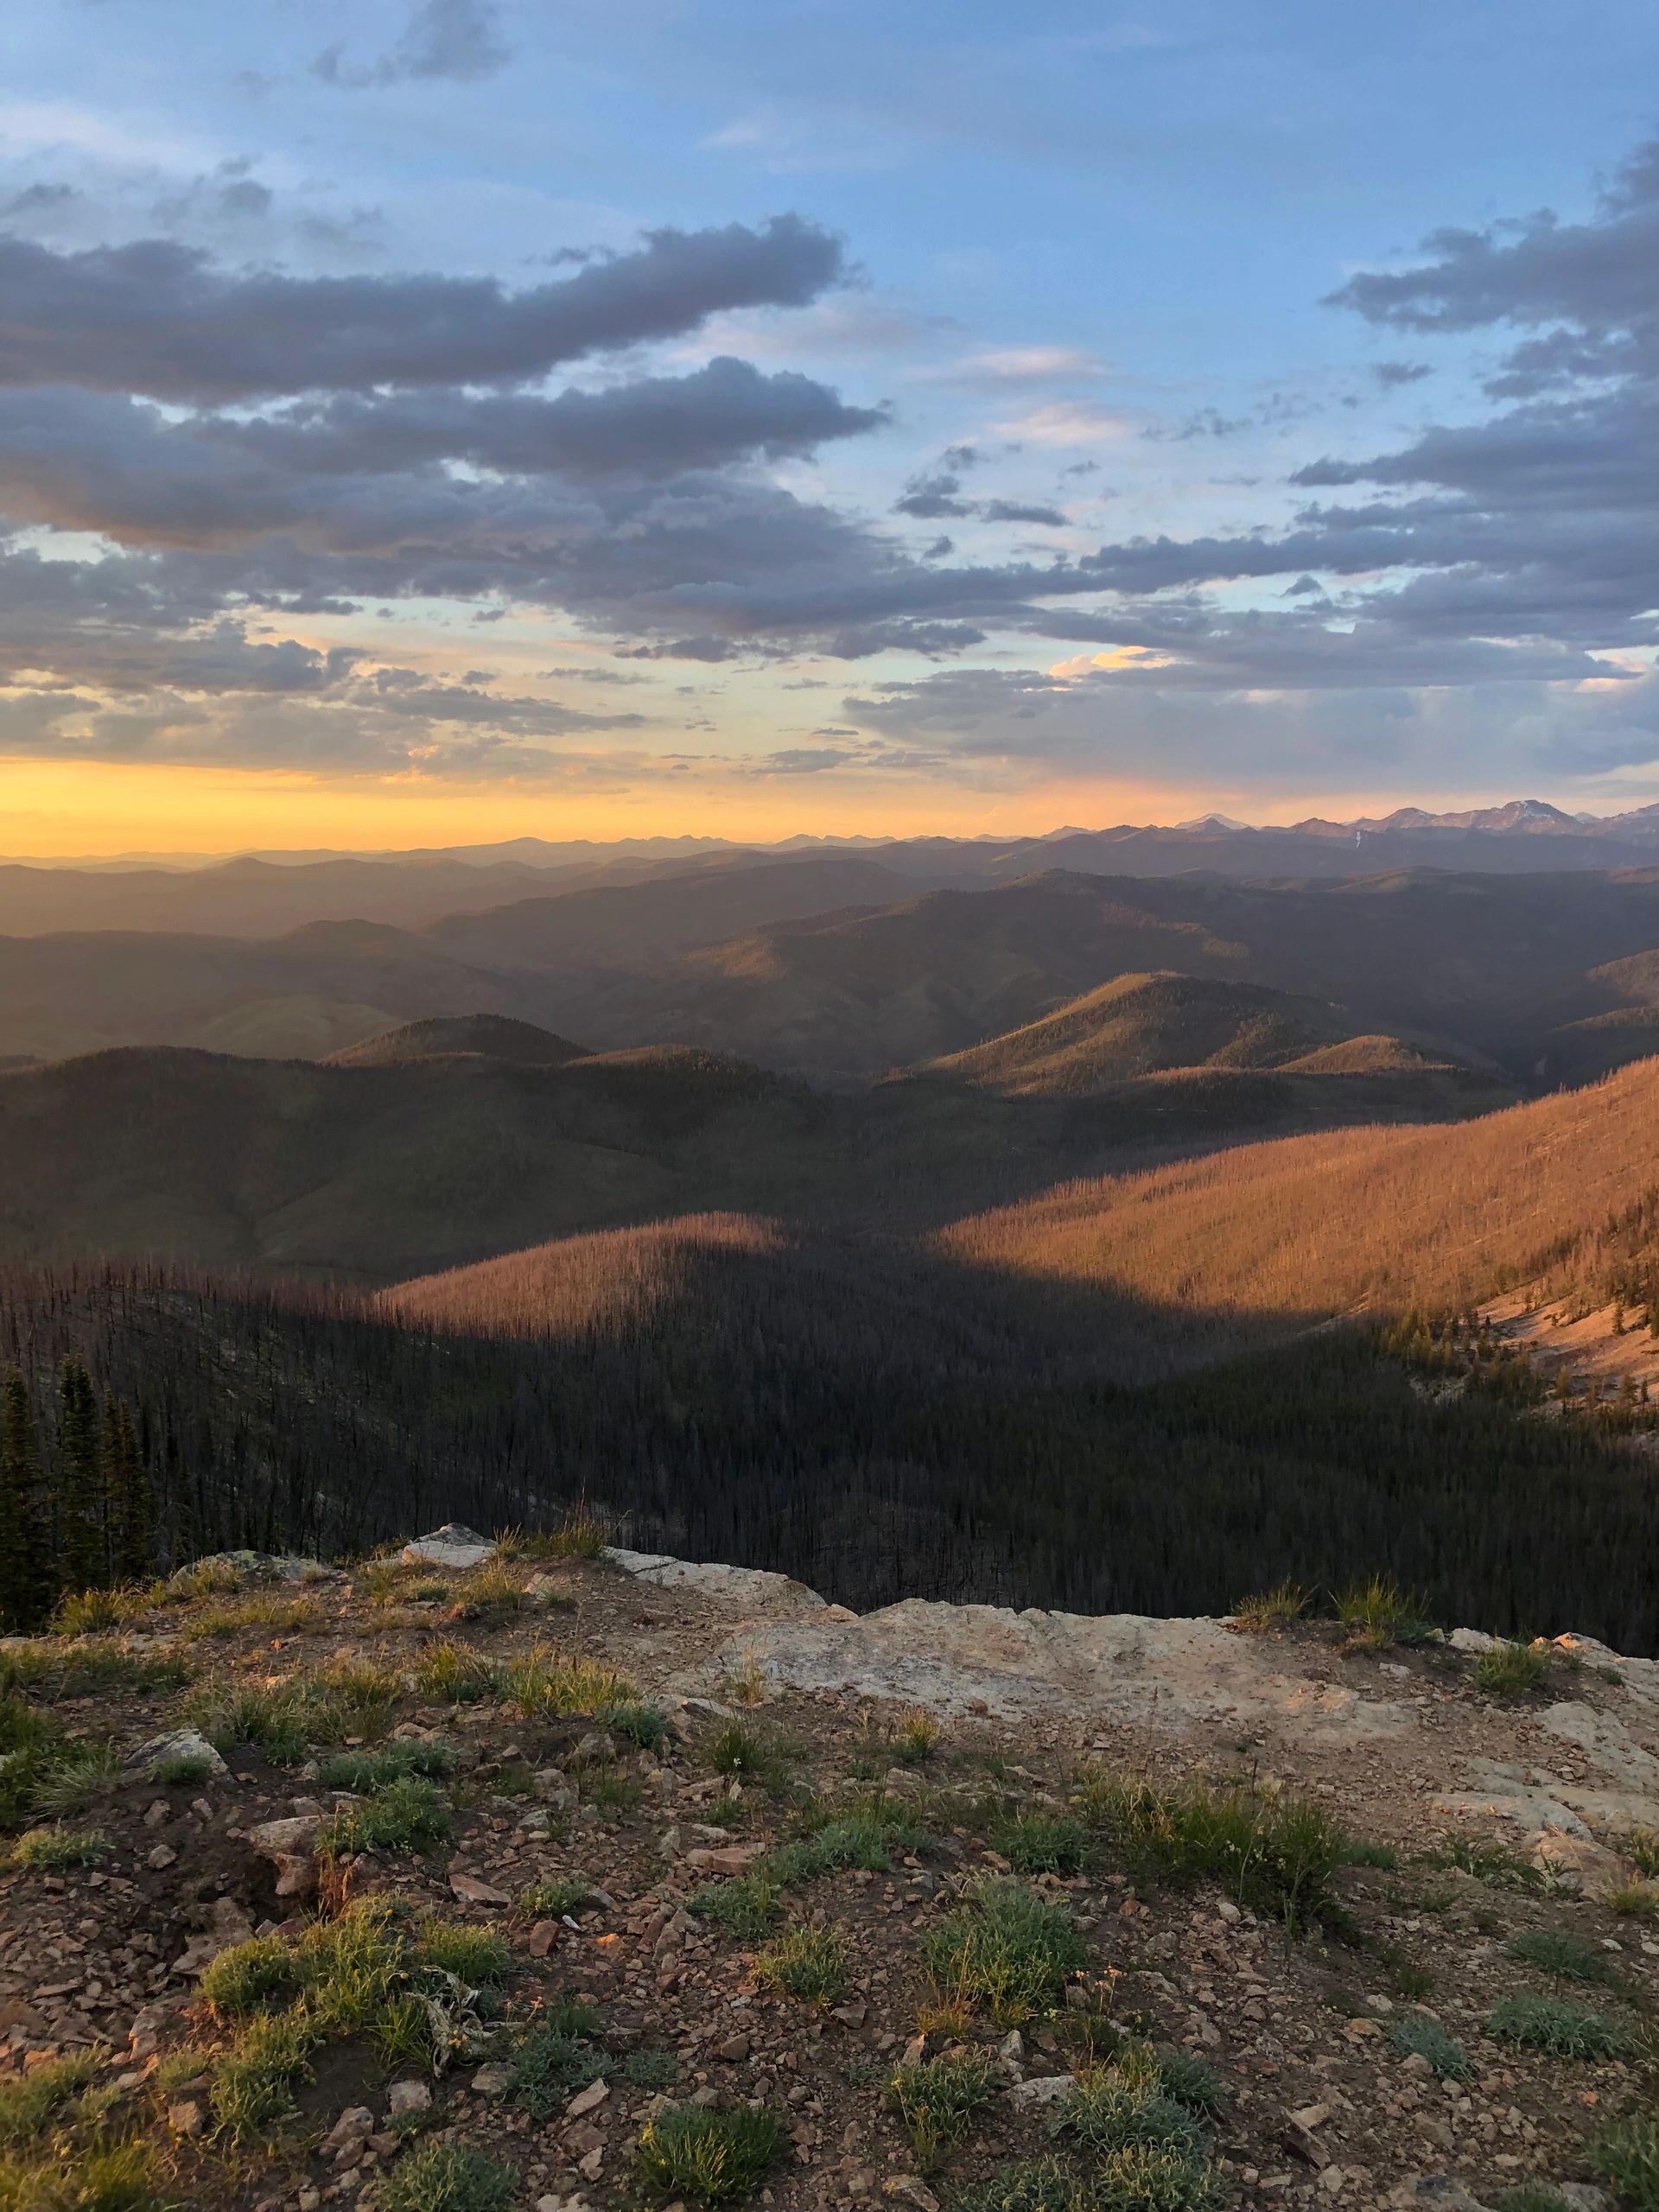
(1004, 1950)
(1030, 2185)
(1270, 1609)
(1042, 1843)
(30, 2102)
(50, 1850)
(446, 2177)
(716, 2156)
(807, 1963)
(1378, 1612)
(364, 1772)
(1557, 2028)
(1626, 2151)
(1274, 1853)
(408, 1814)
(936, 2099)
(1509, 1670)
(1567, 1956)
(1415, 2034)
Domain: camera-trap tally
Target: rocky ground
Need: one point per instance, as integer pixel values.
(745, 1830)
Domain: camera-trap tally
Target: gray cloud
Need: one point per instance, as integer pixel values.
(159, 319)
(1014, 511)
(459, 41)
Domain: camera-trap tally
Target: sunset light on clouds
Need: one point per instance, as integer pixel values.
(464, 418)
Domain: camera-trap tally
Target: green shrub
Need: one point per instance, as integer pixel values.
(1567, 1956)
(555, 2059)
(1557, 2028)
(83, 1772)
(936, 2099)
(1004, 1950)
(651, 2070)
(1643, 1845)
(1509, 1669)
(1191, 2082)
(1414, 2034)
(806, 1962)
(743, 1908)
(716, 2156)
(446, 2177)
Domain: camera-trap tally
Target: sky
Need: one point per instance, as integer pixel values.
(433, 421)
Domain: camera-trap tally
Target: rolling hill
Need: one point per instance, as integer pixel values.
(480, 1036)
(1143, 1025)
(371, 1170)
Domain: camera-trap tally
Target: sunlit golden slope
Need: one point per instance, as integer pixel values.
(1316, 1225)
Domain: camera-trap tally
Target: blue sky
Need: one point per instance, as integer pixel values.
(1022, 323)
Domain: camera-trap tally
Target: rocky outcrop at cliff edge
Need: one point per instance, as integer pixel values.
(739, 1838)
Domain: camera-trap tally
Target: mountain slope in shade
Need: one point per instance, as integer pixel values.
(375, 1170)
(486, 1036)
(1142, 1024)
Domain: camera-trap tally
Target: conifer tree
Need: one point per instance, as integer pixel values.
(131, 1503)
(26, 1579)
(81, 1561)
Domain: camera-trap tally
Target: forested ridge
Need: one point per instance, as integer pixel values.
(876, 1446)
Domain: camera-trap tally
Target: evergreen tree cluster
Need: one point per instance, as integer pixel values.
(905, 1446)
(77, 1510)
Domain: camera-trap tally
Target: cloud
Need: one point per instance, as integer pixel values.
(161, 319)
(457, 41)
(995, 365)
(1014, 511)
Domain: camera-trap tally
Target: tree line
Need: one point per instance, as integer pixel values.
(77, 1506)
(877, 1435)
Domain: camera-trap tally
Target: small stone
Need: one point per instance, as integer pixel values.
(493, 2081)
(187, 2117)
(1416, 2064)
(470, 1891)
(542, 1938)
(1312, 2116)
(587, 2100)
(1332, 2180)
(734, 2049)
(589, 2165)
(163, 1855)
(1041, 2089)
(409, 2096)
